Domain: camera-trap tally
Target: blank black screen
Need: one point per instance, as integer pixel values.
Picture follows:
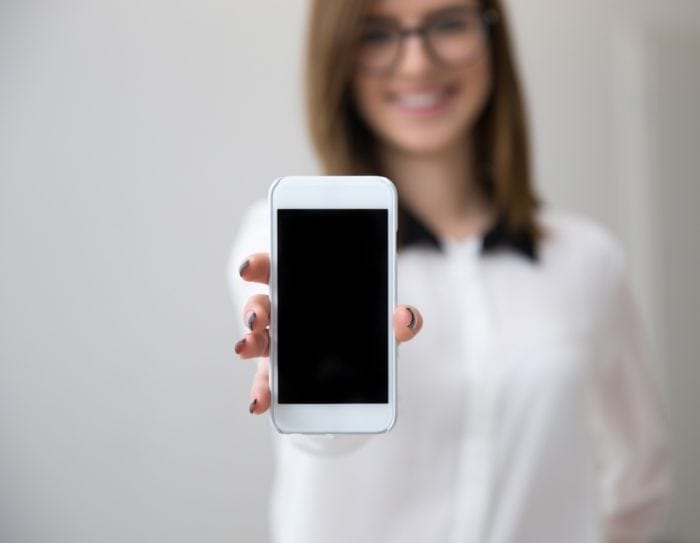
(332, 293)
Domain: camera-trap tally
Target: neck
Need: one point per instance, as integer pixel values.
(440, 189)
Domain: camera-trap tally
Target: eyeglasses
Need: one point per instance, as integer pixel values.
(455, 36)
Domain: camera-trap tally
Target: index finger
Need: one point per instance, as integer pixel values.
(256, 268)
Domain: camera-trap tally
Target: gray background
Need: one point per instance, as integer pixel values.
(133, 135)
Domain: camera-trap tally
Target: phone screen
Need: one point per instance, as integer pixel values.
(332, 314)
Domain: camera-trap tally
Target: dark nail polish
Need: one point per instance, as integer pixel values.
(253, 404)
(412, 323)
(243, 267)
(239, 346)
(251, 320)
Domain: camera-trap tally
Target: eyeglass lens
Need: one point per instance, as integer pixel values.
(453, 37)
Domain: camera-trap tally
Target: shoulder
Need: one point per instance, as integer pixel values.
(256, 214)
(253, 231)
(580, 245)
(252, 235)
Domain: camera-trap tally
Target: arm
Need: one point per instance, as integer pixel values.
(635, 474)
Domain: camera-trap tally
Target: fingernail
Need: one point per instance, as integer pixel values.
(251, 320)
(412, 323)
(239, 346)
(243, 267)
(252, 406)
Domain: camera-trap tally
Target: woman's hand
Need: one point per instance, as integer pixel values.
(256, 316)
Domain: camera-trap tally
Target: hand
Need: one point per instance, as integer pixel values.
(256, 316)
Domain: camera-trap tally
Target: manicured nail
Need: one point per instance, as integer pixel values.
(251, 320)
(412, 323)
(243, 267)
(239, 346)
(252, 406)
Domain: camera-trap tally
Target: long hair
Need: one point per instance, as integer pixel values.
(345, 145)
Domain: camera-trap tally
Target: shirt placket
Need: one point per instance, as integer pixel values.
(475, 472)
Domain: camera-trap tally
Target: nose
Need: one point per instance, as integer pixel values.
(414, 59)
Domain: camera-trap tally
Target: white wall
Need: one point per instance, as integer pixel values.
(133, 134)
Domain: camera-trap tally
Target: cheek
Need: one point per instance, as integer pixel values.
(367, 97)
(477, 83)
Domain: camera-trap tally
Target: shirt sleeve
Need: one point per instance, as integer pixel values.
(253, 236)
(634, 451)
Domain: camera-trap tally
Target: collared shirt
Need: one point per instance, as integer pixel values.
(525, 411)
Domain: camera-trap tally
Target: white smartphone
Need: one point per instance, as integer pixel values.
(332, 293)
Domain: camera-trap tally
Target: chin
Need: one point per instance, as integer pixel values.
(426, 144)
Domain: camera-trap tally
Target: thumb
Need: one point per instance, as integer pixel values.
(407, 322)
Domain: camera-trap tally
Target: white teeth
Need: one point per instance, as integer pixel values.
(421, 100)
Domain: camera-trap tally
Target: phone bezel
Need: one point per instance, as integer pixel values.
(334, 192)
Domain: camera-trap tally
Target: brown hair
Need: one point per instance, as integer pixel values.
(345, 145)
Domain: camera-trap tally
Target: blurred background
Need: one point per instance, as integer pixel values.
(132, 137)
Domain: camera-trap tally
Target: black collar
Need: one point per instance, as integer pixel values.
(414, 233)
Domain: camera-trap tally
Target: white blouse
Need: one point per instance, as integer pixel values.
(525, 411)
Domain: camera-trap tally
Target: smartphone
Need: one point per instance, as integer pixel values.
(332, 294)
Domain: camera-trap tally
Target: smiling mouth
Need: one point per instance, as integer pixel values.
(423, 102)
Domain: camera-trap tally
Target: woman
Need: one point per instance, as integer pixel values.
(525, 411)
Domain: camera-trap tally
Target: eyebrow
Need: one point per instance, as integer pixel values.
(446, 10)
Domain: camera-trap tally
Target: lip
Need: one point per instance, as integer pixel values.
(423, 101)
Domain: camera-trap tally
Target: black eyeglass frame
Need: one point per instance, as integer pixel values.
(488, 17)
